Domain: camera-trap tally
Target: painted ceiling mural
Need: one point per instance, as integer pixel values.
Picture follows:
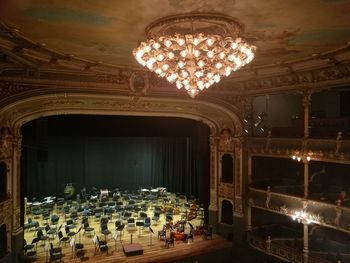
(108, 30)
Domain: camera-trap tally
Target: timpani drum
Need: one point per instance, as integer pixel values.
(161, 190)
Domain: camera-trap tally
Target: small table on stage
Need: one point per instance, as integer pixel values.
(133, 249)
(131, 231)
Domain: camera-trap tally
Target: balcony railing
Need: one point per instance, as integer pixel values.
(281, 251)
(324, 214)
(336, 148)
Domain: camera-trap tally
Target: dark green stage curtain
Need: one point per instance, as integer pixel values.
(116, 162)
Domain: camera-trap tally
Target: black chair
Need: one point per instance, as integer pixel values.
(32, 248)
(79, 250)
(162, 234)
(55, 254)
(155, 218)
(102, 245)
(189, 236)
(31, 224)
(69, 233)
(55, 249)
(105, 231)
(104, 220)
(70, 224)
(54, 219)
(62, 238)
(170, 241)
(143, 215)
(26, 246)
(41, 236)
(88, 228)
(147, 222)
(208, 233)
(50, 231)
(120, 229)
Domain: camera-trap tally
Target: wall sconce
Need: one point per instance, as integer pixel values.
(305, 157)
(298, 158)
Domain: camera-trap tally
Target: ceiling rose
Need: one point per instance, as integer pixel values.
(194, 50)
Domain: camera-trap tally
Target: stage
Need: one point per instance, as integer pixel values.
(155, 253)
(136, 244)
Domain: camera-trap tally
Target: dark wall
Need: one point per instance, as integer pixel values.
(3, 180)
(3, 241)
(112, 151)
(275, 172)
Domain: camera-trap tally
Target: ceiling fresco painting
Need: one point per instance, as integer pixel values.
(108, 30)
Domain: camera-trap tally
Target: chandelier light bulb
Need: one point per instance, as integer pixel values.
(183, 53)
(181, 41)
(210, 42)
(156, 45)
(210, 54)
(160, 57)
(147, 49)
(200, 63)
(171, 55)
(196, 60)
(195, 41)
(181, 64)
(165, 67)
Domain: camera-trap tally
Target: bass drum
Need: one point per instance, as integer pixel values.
(69, 191)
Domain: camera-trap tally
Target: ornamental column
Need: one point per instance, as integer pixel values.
(249, 218)
(16, 179)
(306, 242)
(214, 166)
(306, 105)
(306, 177)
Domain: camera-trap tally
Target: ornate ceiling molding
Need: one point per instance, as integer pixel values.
(31, 61)
(17, 113)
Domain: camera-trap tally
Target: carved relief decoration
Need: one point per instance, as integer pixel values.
(5, 214)
(226, 190)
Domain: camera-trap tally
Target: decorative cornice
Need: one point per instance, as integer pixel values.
(35, 61)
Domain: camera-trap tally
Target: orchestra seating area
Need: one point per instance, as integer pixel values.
(102, 222)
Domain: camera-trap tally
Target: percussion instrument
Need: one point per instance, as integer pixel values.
(69, 191)
(154, 191)
(179, 236)
(144, 192)
(161, 190)
(104, 193)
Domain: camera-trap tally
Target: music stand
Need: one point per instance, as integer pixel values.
(115, 238)
(46, 248)
(59, 228)
(151, 233)
(79, 234)
(72, 244)
(192, 228)
(139, 224)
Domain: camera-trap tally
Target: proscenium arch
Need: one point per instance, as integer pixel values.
(22, 110)
(15, 114)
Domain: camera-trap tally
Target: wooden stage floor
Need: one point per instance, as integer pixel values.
(155, 253)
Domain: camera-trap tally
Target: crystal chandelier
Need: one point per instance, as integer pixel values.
(194, 51)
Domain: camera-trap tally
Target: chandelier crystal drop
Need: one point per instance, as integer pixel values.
(193, 61)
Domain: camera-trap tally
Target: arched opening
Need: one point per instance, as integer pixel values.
(226, 212)
(3, 241)
(227, 169)
(3, 180)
